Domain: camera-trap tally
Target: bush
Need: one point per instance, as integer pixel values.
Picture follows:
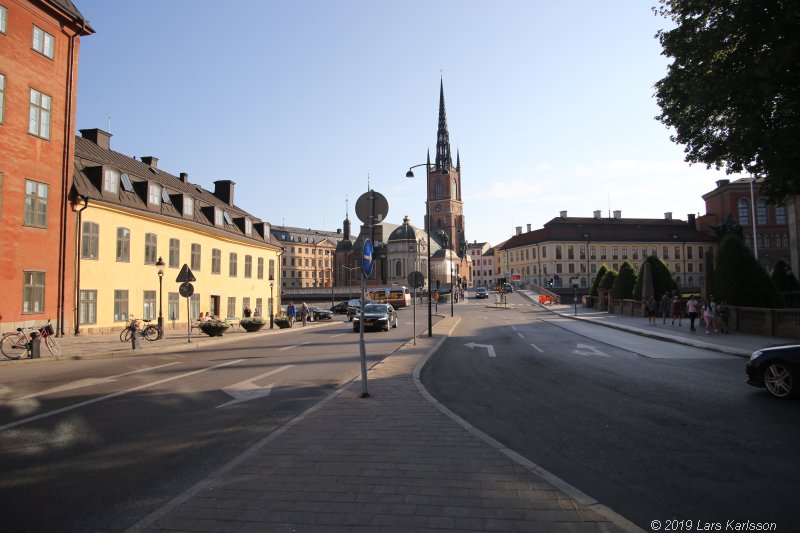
(608, 280)
(783, 278)
(597, 279)
(740, 280)
(624, 282)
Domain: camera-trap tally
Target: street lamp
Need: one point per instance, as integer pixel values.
(446, 241)
(160, 266)
(410, 174)
(271, 305)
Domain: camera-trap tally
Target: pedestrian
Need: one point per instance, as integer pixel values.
(303, 312)
(291, 313)
(724, 315)
(692, 309)
(714, 313)
(665, 308)
(650, 306)
(247, 312)
(708, 316)
(676, 309)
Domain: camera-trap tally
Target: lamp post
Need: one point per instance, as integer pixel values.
(160, 266)
(271, 305)
(330, 276)
(410, 174)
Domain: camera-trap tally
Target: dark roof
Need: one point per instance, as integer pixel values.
(67, 7)
(304, 235)
(91, 160)
(404, 232)
(609, 230)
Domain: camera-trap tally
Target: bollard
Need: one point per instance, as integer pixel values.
(36, 344)
(135, 338)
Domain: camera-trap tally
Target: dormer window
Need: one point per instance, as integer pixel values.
(227, 217)
(154, 197)
(188, 206)
(248, 227)
(218, 217)
(111, 181)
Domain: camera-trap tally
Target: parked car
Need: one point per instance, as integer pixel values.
(340, 308)
(318, 313)
(376, 316)
(354, 306)
(508, 287)
(777, 369)
(481, 292)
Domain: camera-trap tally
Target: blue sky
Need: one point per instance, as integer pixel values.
(549, 103)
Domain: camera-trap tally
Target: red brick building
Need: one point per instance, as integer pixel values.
(776, 232)
(39, 44)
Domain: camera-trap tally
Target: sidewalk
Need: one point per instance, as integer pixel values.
(734, 343)
(397, 461)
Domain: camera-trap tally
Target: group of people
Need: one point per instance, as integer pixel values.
(292, 313)
(712, 315)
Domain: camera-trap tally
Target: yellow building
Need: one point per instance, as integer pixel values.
(133, 217)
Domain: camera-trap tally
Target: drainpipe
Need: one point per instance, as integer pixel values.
(76, 312)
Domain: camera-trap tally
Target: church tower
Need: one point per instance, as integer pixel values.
(444, 188)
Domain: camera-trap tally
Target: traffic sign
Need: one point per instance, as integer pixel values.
(436, 295)
(372, 207)
(186, 289)
(185, 275)
(416, 279)
(367, 260)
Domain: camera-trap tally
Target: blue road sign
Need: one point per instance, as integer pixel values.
(366, 261)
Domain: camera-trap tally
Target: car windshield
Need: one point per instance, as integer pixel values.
(375, 308)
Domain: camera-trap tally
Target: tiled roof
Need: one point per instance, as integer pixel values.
(69, 8)
(91, 159)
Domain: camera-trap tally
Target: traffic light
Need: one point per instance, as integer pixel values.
(438, 283)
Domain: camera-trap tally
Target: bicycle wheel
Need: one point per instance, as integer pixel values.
(53, 345)
(125, 335)
(150, 332)
(10, 348)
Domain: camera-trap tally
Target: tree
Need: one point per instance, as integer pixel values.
(624, 282)
(783, 277)
(740, 280)
(662, 279)
(608, 280)
(731, 91)
(596, 283)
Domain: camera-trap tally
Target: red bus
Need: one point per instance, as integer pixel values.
(397, 296)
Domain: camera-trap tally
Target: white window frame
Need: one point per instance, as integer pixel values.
(41, 106)
(90, 240)
(248, 227)
(188, 206)
(2, 96)
(218, 217)
(3, 19)
(43, 42)
(36, 202)
(123, 252)
(33, 290)
(154, 194)
(111, 181)
(174, 253)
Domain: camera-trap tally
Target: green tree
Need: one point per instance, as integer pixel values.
(598, 278)
(740, 280)
(608, 280)
(730, 92)
(783, 277)
(662, 278)
(624, 282)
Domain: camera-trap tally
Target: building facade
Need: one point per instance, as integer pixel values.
(132, 216)
(308, 256)
(570, 250)
(482, 260)
(39, 49)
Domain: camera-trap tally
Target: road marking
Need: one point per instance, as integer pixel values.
(113, 395)
(514, 328)
(337, 335)
(88, 382)
(539, 349)
(586, 349)
(295, 346)
(488, 347)
(521, 336)
(247, 390)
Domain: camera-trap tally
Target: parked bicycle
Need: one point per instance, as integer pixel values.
(17, 344)
(150, 331)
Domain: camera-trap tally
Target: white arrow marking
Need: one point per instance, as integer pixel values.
(247, 390)
(585, 349)
(88, 382)
(489, 347)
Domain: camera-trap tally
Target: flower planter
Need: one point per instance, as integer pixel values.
(214, 329)
(252, 324)
(282, 323)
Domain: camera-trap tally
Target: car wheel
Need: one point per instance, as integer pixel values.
(779, 381)
(394, 324)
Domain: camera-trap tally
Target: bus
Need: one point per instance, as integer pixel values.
(397, 296)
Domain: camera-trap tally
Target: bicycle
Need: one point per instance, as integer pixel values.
(48, 336)
(15, 345)
(150, 332)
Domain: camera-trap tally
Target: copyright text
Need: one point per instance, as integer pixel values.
(703, 525)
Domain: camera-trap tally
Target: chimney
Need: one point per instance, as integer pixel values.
(618, 214)
(223, 189)
(184, 177)
(529, 228)
(720, 183)
(519, 230)
(668, 216)
(598, 214)
(563, 214)
(150, 161)
(99, 137)
(691, 220)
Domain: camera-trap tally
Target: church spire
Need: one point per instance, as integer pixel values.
(443, 158)
(458, 160)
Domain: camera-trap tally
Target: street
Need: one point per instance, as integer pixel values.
(652, 429)
(95, 445)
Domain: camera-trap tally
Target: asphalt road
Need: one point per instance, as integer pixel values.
(654, 430)
(95, 445)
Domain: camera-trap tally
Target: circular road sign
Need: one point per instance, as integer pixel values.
(373, 203)
(416, 279)
(186, 289)
(367, 261)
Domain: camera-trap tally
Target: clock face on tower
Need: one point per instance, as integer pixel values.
(437, 207)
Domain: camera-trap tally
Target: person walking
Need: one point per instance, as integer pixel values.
(665, 308)
(676, 309)
(303, 312)
(692, 309)
(650, 306)
(708, 316)
(291, 313)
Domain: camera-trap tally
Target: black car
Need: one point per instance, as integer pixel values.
(376, 316)
(481, 292)
(354, 307)
(340, 308)
(318, 313)
(777, 369)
